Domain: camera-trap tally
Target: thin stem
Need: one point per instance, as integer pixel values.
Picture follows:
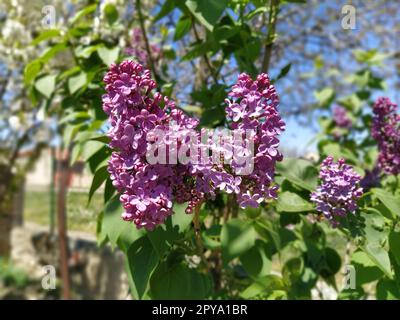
(273, 13)
(206, 60)
(199, 242)
(63, 171)
(234, 206)
(227, 210)
(146, 40)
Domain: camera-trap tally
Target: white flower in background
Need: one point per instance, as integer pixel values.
(41, 115)
(14, 123)
(12, 29)
(18, 6)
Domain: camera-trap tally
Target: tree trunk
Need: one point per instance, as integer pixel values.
(62, 222)
(6, 204)
(18, 203)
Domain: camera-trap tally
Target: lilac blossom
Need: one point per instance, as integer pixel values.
(386, 131)
(138, 50)
(148, 190)
(341, 118)
(339, 191)
(254, 106)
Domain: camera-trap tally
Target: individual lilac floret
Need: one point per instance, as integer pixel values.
(254, 108)
(386, 131)
(338, 194)
(341, 118)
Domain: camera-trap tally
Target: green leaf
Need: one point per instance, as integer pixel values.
(46, 85)
(262, 286)
(366, 269)
(75, 117)
(98, 156)
(164, 236)
(379, 256)
(182, 27)
(257, 261)
(237, 237)
(269, 232)
(350, 294)
(212, 116)
(207, 12)
(225, 32)
(253, 13)
(318, 62)
(113, 227)
(351, 102)
(112, 221)
(394, 243)
(46, 35)
(332, 263)
(376, 83)
(167, 7)
(178, 282)
(300, 172)
(291, 202)
(108, 55)
(70, 132)
(84, 12)
(387, 290)
(324, 96)
(284, 71)
(87, 50)
(338, 151)
(75, 153)
(293, 269)
(109, 190)
(52, 52)
(101, 138)
(77, 82)
(69, 72)
(99, 177)
(90, 148)
(142, 260)
(371, 57)
(252, 213)
(180, 218)
(31, 71)
(111, 13)
(390, 201)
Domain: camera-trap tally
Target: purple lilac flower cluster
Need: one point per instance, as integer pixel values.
(341, 118)
(386, 131)
(146, 190)
(339, 191)
(254, 108)
(149, 190)
(138, 50)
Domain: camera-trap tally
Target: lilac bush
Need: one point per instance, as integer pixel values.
(341, 118)
(339, 191)
(386, 131)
